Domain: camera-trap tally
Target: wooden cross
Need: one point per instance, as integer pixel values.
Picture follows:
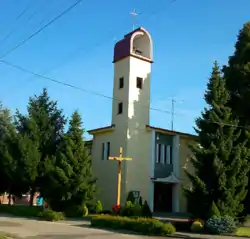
(119, 178)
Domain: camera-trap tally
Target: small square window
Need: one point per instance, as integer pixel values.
(121, 82)
(139, 82)
(120, 108)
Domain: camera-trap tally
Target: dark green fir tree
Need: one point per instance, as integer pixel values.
(237, 75)
(72, 177)
(44, 126)
(219, 160)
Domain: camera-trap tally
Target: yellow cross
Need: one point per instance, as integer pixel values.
(119, 159)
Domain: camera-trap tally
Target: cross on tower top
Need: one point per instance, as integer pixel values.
(134, 14)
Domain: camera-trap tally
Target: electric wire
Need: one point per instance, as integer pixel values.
(102, 95)
(78, 50)
(14, 28)
(71, 85)
(67, 10)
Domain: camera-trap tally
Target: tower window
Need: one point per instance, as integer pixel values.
(120, 108)
(139, 82)
(121, 82)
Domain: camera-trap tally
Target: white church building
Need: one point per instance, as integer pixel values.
(159, 156)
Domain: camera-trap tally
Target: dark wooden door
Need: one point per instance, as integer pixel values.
(162, 197)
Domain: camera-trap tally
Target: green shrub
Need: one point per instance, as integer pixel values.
(21, 210)
(98, 207)
(137, 210)
(140, 201)
(197, 226)
(131, 197)
(85, 211)
(146, 212)
(214, 211)
(50, 215)
(221, 225)
(141, 225)
(131, 210)
(127, 210)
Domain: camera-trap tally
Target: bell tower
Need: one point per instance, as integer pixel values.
(133, 56)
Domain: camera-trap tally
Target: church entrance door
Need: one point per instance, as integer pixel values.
(162, 197)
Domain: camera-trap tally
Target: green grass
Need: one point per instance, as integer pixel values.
(243, 232)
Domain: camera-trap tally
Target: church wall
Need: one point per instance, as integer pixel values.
(104, 170)
(184, 164)
(138, 170)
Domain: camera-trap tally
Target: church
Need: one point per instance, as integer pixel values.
(159, 156)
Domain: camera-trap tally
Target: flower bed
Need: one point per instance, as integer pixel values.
(146, 226)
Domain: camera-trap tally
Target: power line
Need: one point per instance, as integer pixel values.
(42, 28)
(102, 95)
(13, 29)
(71, 86)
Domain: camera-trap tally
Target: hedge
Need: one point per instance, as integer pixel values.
(146, 226)
(21, 210)
(50, 215)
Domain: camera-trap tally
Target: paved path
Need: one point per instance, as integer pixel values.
(26, 228)
(29, 229)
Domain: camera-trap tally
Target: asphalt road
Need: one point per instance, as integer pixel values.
(26, 228)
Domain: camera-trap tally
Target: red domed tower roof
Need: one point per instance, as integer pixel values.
(137, 43)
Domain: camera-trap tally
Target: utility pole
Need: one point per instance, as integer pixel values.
(173, 100)
(172, 110)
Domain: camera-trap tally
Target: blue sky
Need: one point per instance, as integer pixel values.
(187, 36)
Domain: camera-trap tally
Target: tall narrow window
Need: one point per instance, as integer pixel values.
(105, 150)
(168, 154)
(162, 153)
(171, 155)
(108, 150)
(121, 82)
(120, 108)
(165, 154)
(139, 82)
(158, 153)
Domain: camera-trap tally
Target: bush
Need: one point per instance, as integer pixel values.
(214, 211)
(221, 225)
(98, 207)
(141, 225)
(140, 201)
(21, 210)
(106, 212)
(197, 226)
(146, 212)
(85, 210)
(127, 211)
(50, 215)
(137, 210)
(131, 197)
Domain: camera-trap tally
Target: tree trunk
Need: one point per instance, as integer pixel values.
(9, 199)
(32, 193)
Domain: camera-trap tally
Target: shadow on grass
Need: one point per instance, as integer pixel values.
(109, 229)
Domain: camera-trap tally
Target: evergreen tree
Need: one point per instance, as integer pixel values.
(44, 126)
(9, 178)
(219, 160)
(73, 180)
(237, 75)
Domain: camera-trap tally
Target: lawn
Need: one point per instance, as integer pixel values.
(243, 232)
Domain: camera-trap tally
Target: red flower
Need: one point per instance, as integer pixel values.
(116, 207)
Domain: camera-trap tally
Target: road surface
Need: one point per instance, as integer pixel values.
(27, 228)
